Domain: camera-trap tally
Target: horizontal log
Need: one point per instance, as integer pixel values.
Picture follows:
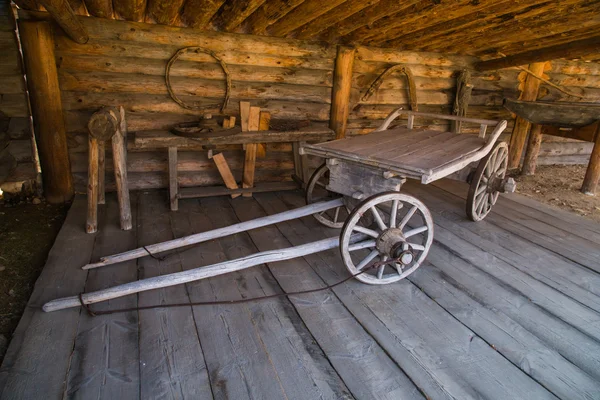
(149, 103)
(177, 37)
(188, 161)
(162, 139)
(566, 149)
(114, 48)
(432, 97)
(568, 50)
(190, 69)
(101, 82)
(212, 191)
(574, 67)
(160, 180)
(410, 57)
(564, 160)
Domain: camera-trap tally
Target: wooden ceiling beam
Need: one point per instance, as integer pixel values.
(63, 14)
(409, 16)
(269, 13)
(234, 12)
(99, 8)
(30, 5)
(331, 17)
(366, 17)
(78, 7)
(303, 14)
(130, 10)
(477, 19)
(566, 50)
(165, 12)
(534, 26)
(199, 13)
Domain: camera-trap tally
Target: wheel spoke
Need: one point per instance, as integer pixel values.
(479, 207)
(367, 260)
(381, 267)
(489, 168)
(366, 231)
(337, 214)
(501, 171)
(393, 214)
(407, 217)
(415, 246)
(494, 198)
(367, 244)
(323, 185)
(378, 219)
(480, 190)
(415, 231)
(484, 179)
(499, 160)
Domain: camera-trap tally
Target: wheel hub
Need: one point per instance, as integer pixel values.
(392, 243)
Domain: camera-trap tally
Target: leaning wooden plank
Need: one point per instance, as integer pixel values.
(178, 278)
(28, 357)
(171, 359)
(251, 149)
(217, 233)
(451, 346)
(249, 335)
(119, 150)
(91, 224)
(330, 323)
(105, 358)
(244, 115)
(225, 172)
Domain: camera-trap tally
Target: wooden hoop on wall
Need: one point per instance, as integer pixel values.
(196, 49)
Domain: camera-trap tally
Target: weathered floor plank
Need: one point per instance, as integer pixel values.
(38, 357)
(567, 245)
(249, 347)
(363, 365)
(171, 361)
(105, 360)
(478, 367)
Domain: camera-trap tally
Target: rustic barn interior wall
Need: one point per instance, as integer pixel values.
(16, 161)
(124, 64)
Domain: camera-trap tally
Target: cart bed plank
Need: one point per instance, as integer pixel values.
(504, 308)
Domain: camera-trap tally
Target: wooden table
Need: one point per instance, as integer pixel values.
(165, 139)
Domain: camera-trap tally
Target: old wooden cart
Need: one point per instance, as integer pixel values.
(380, 225)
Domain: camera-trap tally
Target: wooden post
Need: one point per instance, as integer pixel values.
(119, 149)
(592, 174)
(519, 133)
(92, 188)
(225, 173)
(342, 87)
(263, 125)
(101, 172)
(173, 185)
(46, 106)
(250, 159)
(533, 149)
(63, 14)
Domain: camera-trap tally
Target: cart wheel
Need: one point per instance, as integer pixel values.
(402, 230)
(487, 181)
(316, 191)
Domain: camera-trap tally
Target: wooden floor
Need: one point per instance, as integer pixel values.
(508, 308)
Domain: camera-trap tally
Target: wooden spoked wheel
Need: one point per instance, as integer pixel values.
(316, 191)
(401, 229)
(487, 182)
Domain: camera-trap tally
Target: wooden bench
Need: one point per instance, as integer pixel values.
(171, 142)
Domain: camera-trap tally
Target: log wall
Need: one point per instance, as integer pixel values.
(124, 64)
(16, 161)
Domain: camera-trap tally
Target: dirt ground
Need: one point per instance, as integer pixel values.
(27, 232)
(558, 185)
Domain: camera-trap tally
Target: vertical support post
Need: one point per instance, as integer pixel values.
(592, 174)
(119, 149)
(521, 128)
(173, 185)
(101, 172)
(46, 106)
(342, 87)
(91, 225)
(533, 149)
(250, 159)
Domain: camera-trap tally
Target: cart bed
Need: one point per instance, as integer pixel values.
(421, 154)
